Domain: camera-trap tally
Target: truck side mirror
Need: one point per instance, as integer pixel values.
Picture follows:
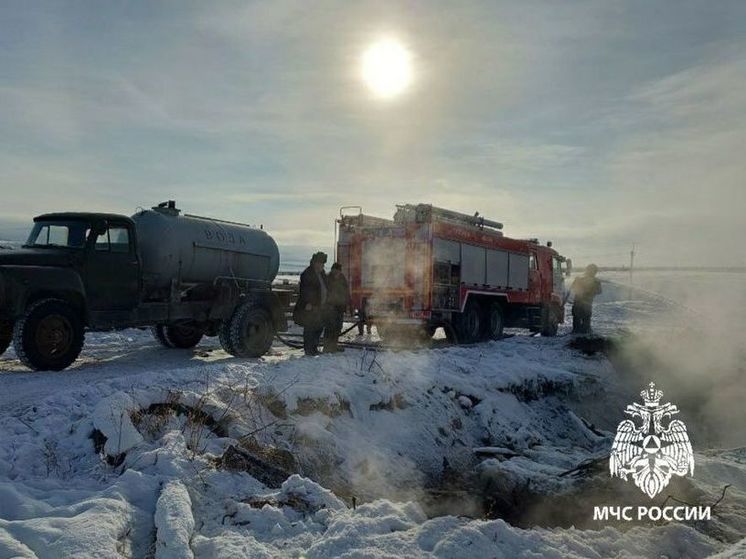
(568, 267)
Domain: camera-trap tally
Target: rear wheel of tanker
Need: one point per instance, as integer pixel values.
(49, 336)
(251, 330)
(549, 321)
(6, 335)
(183, 336)
(469, 324)
(495, 323)
(159, 333)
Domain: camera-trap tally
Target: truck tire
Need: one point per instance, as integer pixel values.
(183, 336)
(251, 330)
(469, 324)
(224, 335)
(159, 333)
(6, 335)
(549, 322)
(49, 336)
(494, 322)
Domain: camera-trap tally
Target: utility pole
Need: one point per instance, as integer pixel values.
(631, 261)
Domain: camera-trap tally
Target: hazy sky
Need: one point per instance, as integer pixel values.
(593, 124)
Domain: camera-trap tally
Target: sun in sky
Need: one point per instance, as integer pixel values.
(387, 68)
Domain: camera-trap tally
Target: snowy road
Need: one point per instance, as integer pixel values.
(105, 356)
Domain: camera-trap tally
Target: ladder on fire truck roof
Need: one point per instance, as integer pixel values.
(424, 213)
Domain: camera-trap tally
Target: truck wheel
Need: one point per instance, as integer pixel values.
(224, 335)
(251, 330)
(159, 333)
(183, 336)
(494, 323)
(6, 335)
(549, 322)
(49, 336)
(470, 324)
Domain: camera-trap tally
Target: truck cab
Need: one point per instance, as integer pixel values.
(95, 253)
(547, 284)
(73, 270)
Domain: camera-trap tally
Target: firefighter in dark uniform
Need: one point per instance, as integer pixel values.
(336, 304)
(310, 308)
(584, 289)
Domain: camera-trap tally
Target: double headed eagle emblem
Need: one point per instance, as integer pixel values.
(651, 452)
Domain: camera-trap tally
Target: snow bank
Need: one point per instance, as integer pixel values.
(174, 522)
(737, 551)
(310, 492)
(383, 529)
(112, 418)
(48, 520)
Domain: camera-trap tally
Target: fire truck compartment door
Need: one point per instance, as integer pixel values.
(383, 263)
(518, 271)
(446, 251)
(472, 265)
(497, 268)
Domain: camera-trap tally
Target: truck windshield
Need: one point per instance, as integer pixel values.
(69, 234)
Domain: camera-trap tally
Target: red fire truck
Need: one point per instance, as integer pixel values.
(430, 267)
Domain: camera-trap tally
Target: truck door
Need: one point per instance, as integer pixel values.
(112, 269)
(545, 285)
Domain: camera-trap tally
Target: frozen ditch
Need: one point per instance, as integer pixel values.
(531, 451)
(440, 434)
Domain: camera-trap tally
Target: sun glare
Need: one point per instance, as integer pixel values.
(387, 68)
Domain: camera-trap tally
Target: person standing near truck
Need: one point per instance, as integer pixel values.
(584, 289)
(337, 302)
(310, 308)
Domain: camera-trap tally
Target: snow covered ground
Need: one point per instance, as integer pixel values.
(139, 451)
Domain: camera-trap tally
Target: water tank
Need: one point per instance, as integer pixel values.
(196, 250)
